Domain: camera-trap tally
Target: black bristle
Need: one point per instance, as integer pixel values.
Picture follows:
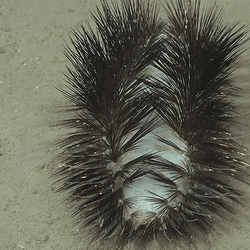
(152, 152)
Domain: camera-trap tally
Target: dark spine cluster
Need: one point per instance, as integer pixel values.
(132, 80)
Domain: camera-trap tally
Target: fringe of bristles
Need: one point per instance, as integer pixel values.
(136, 76)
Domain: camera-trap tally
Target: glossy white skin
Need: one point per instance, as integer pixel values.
(139, 189)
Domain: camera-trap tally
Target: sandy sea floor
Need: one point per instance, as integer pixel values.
(32, 33)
